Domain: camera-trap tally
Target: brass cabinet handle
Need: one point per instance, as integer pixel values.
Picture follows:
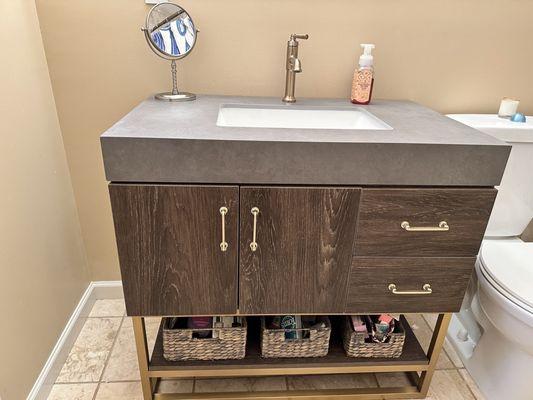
(223, 244)
(443, 227)
(253, 245)
(426, 289)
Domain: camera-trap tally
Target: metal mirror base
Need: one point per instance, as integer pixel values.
(182, 96)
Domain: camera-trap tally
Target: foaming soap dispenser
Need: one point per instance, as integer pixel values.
(363, 78)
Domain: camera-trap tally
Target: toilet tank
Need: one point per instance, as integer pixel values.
(513, 209)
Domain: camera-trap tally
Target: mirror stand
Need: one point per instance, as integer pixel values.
(171, 34)
(175, 95)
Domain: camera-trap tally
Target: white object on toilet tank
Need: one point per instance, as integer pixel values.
(513, 209)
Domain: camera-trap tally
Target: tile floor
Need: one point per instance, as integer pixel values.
(102, 365)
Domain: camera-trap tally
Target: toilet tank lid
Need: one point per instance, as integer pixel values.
(510, 265)
(501, 128)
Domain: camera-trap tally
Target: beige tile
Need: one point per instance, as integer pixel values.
(471, 384)
(445, 385)
(423, 334)
(108, 308)
(393, 379)
(240, 384)
(431, 319)
(338, 381)
(152, 327)
(88, 355)
(119, 391)
(175, 386)
(77, 391)
(122, 364)
(449, 385)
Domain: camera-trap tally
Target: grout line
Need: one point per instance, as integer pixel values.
(443, 349)
(70, 351)
(455, 368)
(108, 358)
(466, 383)
(115, 339)
(376, 379)
(446, 342)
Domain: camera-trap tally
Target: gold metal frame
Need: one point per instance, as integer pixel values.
(419, 389)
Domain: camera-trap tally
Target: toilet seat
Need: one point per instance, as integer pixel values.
(508, 268)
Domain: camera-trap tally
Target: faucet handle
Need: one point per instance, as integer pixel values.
(293, 39)
(295, 36)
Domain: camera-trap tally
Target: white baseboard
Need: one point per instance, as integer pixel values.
(107, 290)
(95, 291)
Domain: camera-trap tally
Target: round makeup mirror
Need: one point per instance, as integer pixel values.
(171, 34)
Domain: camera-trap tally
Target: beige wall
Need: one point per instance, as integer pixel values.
(42, 261)
(452, 55)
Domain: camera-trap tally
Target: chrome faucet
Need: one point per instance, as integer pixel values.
(293, 66)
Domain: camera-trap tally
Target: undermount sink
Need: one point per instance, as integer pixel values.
(297, 117)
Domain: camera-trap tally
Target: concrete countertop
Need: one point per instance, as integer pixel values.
(180, 142)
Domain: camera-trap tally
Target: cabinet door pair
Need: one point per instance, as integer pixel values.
(206, 250)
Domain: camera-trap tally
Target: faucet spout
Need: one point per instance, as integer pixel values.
(293, 66)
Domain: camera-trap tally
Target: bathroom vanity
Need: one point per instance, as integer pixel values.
(233, 206)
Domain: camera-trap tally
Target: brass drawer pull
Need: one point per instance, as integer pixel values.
(443, 227)
(253, 245)
(426, 289)
(223, 244)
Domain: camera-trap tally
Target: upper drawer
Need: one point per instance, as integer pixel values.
(403, 222)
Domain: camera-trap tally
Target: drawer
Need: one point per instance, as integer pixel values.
(410, 222)
(370, 280)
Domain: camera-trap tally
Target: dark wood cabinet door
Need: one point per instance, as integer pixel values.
(168, 239)
(305, 240)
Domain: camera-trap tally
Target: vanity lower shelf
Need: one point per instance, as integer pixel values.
(413, 358)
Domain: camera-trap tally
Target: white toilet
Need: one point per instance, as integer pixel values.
(493, 333)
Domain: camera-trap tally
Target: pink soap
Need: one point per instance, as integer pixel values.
(385, 318)
(358, 324)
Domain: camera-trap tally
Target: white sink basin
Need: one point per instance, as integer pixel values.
(297, 117)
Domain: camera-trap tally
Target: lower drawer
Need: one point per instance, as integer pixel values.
(411, 284)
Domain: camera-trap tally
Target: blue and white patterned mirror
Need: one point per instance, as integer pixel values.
(170, 30)
(171, 34)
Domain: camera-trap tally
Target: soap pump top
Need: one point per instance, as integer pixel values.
(367, 59)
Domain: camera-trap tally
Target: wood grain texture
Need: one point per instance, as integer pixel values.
(379, 231)
(168, 239)
(305, 238)
(370, 277)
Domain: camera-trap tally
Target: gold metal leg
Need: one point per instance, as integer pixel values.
(147, 384)
(435, 347)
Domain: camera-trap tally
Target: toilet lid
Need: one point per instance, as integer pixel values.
(510, 265)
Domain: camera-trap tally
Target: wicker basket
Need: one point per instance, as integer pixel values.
(179, 344)
(355, 346)
(274, 344)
